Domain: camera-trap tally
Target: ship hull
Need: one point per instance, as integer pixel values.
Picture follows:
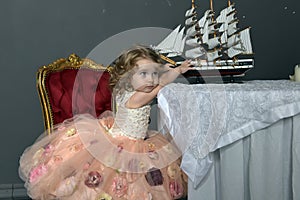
(218, 72)
(231, 68)
(216, 76)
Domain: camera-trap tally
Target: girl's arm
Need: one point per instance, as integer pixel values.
(139, 99)
(170, 74)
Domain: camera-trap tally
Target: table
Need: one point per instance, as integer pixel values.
(239, 141)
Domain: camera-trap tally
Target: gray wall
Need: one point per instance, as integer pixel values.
(37, 32)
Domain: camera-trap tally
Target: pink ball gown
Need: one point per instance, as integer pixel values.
(83, 160)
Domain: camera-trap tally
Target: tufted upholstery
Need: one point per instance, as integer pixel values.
(72, 86)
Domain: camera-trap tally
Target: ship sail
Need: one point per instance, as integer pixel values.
(207, 14)
(222, 18)
(189, 21)
(195, 52)
(178, 44)
(190, 12)
(193, 42)
(246, 40)
(201, 23)
(166, 46)
(242, 46)
(232, 27)
(191, 31)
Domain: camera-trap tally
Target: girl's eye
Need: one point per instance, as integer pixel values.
(155, 73)
(143, 73)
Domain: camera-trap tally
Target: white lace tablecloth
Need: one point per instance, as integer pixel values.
(204, 117)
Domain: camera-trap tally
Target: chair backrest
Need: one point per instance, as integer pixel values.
(72, 86)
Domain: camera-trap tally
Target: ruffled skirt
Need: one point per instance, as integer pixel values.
(81, 160)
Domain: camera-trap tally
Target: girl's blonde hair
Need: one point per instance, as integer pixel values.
(122, 69)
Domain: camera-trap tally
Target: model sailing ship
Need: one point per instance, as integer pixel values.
(215, 45)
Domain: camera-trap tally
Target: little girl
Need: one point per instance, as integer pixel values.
(92, 159)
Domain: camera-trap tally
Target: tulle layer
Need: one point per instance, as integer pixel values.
(81, 160)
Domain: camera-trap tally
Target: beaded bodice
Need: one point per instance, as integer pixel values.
(130, 122)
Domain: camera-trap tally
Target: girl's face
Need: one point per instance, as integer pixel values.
(146, 76)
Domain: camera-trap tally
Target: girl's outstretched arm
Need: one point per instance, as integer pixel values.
(139, 99)
(170, 74)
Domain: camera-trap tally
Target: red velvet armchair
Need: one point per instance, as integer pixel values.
(72, 86)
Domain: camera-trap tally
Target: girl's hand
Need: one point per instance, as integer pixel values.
(184, 67)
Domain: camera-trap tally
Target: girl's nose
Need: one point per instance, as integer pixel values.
(150, 78)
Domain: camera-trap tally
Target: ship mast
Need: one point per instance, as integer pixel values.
(193, 3)
(211, 5)
(229, 3)
(213, 19)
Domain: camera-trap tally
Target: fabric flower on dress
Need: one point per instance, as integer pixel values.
(36, 172)
(66, 187)
(119, 186)
(151, 146)
(104, 196)
(70, 132)
(93, 179)
(75, 147)
(176, 189)
(153, 155)
(154, 177)
(48, 148)
(168, 148)
(142, 165)
(57, 158)
(173, 171)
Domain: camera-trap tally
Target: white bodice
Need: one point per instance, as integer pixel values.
(130, 122)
